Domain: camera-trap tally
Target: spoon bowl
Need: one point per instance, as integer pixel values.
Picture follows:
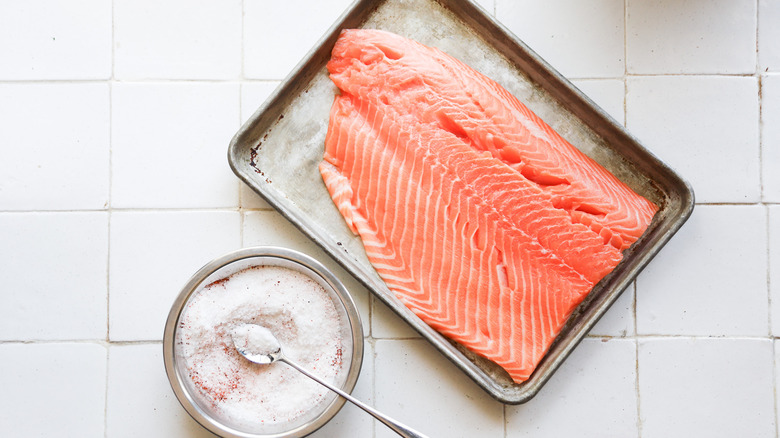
(256, 343)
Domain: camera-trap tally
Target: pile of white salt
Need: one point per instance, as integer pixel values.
(297, 310)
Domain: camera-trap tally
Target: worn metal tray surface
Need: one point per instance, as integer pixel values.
(277, 152)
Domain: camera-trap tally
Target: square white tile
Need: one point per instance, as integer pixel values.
(770, 136)
(51, 262)
(277, 35)
(593, 394)
(710, 279)
(351, 420)
(698, 36)
(706, 387)
(54, 146)
(169, 145)
(53, 390)
(49, 39)
(774, 266)
(153, 254)
(422, 389)
(705, 127)
(768, 35)
(269, 228)
(619, 319)
(609, 94)
(140, 399)
(579, 39)
(177, 39)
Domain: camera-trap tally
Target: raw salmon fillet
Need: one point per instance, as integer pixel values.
(478, 216)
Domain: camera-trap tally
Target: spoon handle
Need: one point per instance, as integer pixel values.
(399, 428)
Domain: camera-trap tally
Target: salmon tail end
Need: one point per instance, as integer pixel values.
(341, 192)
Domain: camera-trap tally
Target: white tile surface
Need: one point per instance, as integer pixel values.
(592, 395)
(720, 252)
(169, 145)
(115, 118)
(49, 39)
(774, 266)
(153, 254)
(140, 401)
(425, 391)
(619, 319)
(52, 390)
(768, 35)
(251, 200)
(277, 35)
(269, 228)
(697, 36)
(351, 420)
(51, 262)
(177, 39)
(579, 39)
(253, 94)
(770, 136)
(609, 94)
(777, 373)
(706, 387)
(386, 324)
(54, 145)
(704, 127)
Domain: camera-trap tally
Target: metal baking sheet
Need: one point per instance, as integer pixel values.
(278, 149)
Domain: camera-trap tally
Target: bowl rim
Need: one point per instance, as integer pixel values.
(311, 267)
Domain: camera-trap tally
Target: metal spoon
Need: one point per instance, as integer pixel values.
(259, 345)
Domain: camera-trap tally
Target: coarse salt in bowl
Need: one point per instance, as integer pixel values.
(308, 310)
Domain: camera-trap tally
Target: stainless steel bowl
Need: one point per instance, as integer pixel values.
(352, 333)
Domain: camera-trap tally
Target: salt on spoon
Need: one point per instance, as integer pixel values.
(257, 341)
(259, 345)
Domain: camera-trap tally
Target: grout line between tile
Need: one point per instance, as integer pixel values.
(84, 210)
(732, 204)
(241, 209)
(53, 341)
(109, 207)
(506, 420)
(768, 267)
(760, 80)
(636, 388)
(772, 338)
(636, 365)
(624, 78)
(774, 385)
(373, 382)
(110, 211)
(54, 81)
(693, 75)
(243, 45)
(105, 396)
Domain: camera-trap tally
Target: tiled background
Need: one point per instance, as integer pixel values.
(114, 188)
